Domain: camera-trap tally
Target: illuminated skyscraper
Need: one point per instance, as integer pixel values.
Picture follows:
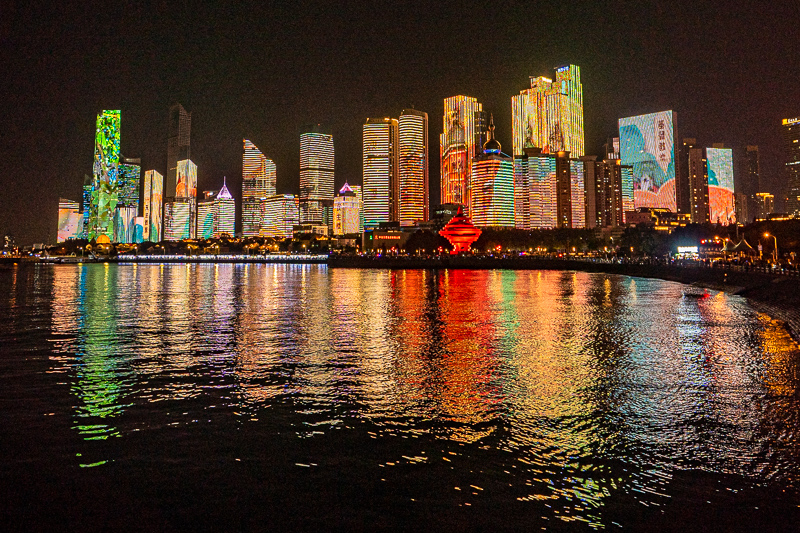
(124, 223)
(647, 144)
(752, 170)
(721, 195)
(177, 219)
(359, 195)
(458, 146)
(412, 127)
(698, 185)
(105, 187)
(492, 185)
(281, 214)
(791, 143)
(178, 140)
(765, 205)
(186, 190)
(549, 191)
(346, 211)
(683, 187)
(130, 171)
(381, 169)
(70, 220)
(549, 115)
(87, 204)
(259, 175)
(316, 175)
(609, 192)
(153, 200)
(216, 214)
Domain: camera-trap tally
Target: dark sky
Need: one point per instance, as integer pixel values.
(260, 70)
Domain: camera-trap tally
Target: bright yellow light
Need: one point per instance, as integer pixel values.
(766, 235)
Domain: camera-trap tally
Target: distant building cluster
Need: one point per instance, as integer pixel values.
(645, 173)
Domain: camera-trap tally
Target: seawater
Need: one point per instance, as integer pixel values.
(241, 397)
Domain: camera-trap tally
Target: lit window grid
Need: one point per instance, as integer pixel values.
(259, 174)
(492, 190)
(177, 221)
(380, 168)
(281, 214)
(577, 193)
(129, 177)
(413, 168)
(454, 160)
(346, 215)
(316, 166)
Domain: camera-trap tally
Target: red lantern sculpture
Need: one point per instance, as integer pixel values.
(461, 232)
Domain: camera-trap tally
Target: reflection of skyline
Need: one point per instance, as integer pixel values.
(569, 370)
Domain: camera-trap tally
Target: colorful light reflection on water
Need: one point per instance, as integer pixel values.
(557, 397)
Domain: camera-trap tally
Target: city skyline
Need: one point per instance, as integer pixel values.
(725, 80)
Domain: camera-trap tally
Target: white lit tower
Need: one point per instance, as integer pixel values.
(316, 176)
(412, 127)
(462, 120)
(258, 182)
(381, 169)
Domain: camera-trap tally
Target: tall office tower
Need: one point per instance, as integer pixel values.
(765, 205)
(316, 174)
(259, 176)
(752, 171)
(412, 127)
(609, 192)
(216, 214)
(791, 143)
(180, 126)
(549, 115)
(346, 211)
(698, 185)
(87, 205)
(549, 191)
(743, 212)
(492, 185)
(381, 169)
(647, 144)
(281, 214)
(457, 148)
(186, 190)
(721, 198)
(683, 188)
(70, 220)
(124, 223)
(105, 187)
(130, 171)
(611, 148)
(153, 196)
(359, 195)
(177, 219)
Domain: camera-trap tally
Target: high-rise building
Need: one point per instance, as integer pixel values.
(743, 211)
(609, 192)
(359, 195)
(381, 169)
(281, 214)
(463, 117)
(177, 219)
(721, 197)
(259, 176)
(765, 205)
(316, 175)
(186, 189)
(752, 171)
(549, 190)
(70, 220)
(492, 185)
(647, 144)
(216, 214)
(105, 186)
(683, 187)
(87, 204)
(791, 143)
(178, 145)
(130, 171)
(698, 185)
(124, 223)
(346, 211)
(412, 127)
(549, 115)
(153, 196)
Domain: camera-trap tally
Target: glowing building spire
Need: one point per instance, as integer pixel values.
(462, 129)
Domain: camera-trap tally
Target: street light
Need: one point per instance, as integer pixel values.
(775, 251)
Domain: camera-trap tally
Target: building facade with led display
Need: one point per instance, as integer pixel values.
(346, 212)
(721, 198)
(178, 145)
(791, 144)
(186, 191)
(317, 163)
(259, 176)
(549, 115)
(153, 199)
(216, 214)
(412, 127)
(281, 214)
(124, 223)
(459, 143)
(177, 219)
(70, 220)
(381, 168)
(492, 185)
(105, 186)
(130, 172)
(609, 192)
(647, 144)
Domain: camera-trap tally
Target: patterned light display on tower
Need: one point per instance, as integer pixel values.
(647, 144)
(216, 214)
(87, 204)
(130, 171)
(492, 185)
(316, 175)
(381, 184)
(721, 199)
(457, 147)
(412, 129)
(153, 200)
(577, 193)
(124, 223)
(281, 214)
(186, 190)
(549, 115)
(549, 191)
(346, 212)
(177, 219)
(259, 176)
(70, 220)
(105, 188)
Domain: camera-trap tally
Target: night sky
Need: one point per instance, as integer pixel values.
(260, 70)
